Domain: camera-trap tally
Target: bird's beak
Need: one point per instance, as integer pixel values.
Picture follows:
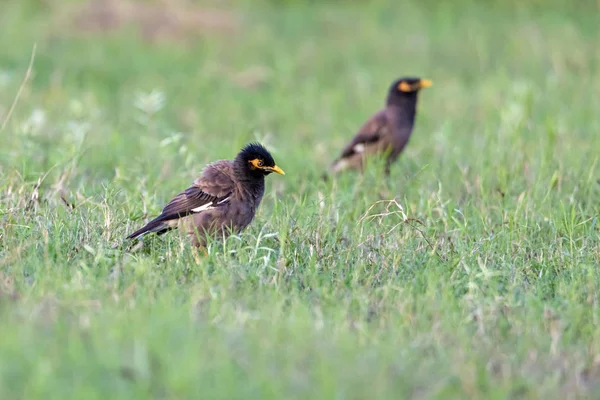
(278, 170)
(425, 83)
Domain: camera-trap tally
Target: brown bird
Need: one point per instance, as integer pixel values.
(223, 200)
(386, 132)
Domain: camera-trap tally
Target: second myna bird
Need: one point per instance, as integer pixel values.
(386, 132)
(222, 200)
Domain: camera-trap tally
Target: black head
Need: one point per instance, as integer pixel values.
(256, 159)
(409, 86)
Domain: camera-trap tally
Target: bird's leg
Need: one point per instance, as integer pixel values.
(136, 246)
(387, 170)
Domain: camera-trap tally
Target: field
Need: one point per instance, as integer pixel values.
(473, 272)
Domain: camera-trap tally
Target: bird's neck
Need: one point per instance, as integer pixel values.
(252, 184)
(404, 107)
(254, 189)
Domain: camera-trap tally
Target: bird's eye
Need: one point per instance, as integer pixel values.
(261, 163)
(405, 87)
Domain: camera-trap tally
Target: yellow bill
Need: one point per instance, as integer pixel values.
(425, 83)
(278, 170)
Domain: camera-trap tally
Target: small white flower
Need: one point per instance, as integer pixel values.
(150, 103)
(175, 137)
(35, 122)
(37, 119)
(78, 130)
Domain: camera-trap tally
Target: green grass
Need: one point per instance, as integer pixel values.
(480, 281)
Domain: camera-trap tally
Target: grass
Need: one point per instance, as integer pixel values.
(476, 276)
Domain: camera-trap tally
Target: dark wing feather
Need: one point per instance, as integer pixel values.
(371, 132)
(211, 189)
(189, 200)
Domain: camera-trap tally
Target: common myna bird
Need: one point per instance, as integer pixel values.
(386, 132)
(221, 201)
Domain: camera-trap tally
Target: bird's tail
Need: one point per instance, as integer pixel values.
(152, 226)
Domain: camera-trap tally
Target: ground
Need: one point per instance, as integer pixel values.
(473, 272)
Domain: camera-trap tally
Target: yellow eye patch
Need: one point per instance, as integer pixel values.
(405, 87)
(256, 163)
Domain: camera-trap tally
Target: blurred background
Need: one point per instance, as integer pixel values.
(488, 289)
(311, 70)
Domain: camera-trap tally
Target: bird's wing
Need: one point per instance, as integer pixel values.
(212, 189)
(192, 200)
(370, 133)
(217, 178)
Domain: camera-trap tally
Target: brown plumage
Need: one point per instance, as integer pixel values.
(221, 201)
(387, 132)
